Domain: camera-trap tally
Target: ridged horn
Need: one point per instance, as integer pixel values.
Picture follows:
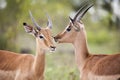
(34, 22)
(85, 6)
(49, 23)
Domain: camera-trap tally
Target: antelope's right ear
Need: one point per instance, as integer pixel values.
(29, 29)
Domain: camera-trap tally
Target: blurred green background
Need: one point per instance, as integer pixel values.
(102, 23)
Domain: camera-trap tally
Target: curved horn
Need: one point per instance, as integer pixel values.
(83, 13)
(34, 22)
(49, 23)
(83, 9)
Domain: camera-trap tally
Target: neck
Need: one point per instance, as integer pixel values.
(39, 62)
(81, 50)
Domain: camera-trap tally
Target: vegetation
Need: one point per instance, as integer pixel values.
(103, 30)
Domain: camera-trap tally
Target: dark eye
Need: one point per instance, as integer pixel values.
(68, 29)
(41, 37)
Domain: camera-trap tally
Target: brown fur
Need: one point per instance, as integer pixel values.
(91, 67)
(11, 62)
(108, 65)
(14, 66)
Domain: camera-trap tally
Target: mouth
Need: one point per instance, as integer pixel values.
(52, 49)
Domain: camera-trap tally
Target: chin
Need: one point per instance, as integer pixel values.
(52, 50)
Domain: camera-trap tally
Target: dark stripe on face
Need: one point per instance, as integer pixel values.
(48, 38)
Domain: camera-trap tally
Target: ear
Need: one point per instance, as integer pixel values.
(30, 29)
(72, 23)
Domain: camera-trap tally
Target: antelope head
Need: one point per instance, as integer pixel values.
(43, 36)
(75, 25)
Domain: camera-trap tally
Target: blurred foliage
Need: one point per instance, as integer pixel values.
(102, 24)
(8, 23)
(16, 12)
(56, 70)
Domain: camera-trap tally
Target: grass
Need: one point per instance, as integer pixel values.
(61, 66)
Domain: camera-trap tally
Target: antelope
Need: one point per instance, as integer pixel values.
(14, 66)
(90, 66)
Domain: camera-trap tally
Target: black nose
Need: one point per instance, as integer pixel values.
(52, 47)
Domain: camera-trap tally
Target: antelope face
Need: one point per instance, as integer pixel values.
(75, 26)
(69, 34)
(45, 39)
(43, 36)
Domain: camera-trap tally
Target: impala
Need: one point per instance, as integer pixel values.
(14, 66)
(91, 66)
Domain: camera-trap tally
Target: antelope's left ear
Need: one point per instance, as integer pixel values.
(29, 29)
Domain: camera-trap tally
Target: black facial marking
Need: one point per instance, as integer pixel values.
(118, 79)
(35, 34)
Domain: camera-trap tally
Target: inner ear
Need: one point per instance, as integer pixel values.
(30, 29)
(27, 28)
